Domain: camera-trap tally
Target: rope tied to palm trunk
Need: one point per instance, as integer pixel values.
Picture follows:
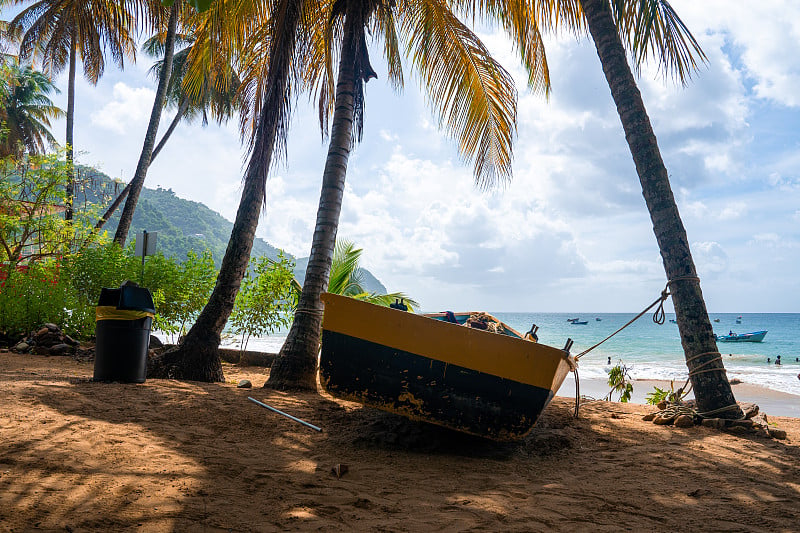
(658, 315)
(309, 311)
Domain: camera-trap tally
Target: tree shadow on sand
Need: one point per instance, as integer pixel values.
(187, 456)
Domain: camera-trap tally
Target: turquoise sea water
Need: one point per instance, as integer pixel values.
(653, 351)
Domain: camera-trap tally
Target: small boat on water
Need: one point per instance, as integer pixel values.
(716, 320)
(672, 320)
(425, 367)
(573, 319)
(580, 322)
(598, 319)
(756, 336)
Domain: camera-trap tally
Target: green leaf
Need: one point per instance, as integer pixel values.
(199, 5)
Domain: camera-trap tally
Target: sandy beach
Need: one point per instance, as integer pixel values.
(176, 456)
(770, 401)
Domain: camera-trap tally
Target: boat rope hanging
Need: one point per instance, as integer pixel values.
(658, 317)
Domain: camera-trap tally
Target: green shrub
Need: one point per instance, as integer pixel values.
(266, 299)
(67, 294)
(31, 296)
(619, 380)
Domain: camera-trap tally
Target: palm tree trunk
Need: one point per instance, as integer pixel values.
(73, 46)
(113, 207)
(197, 358)
(136, 184)
(124, 192)
(296, 365)
(711, 387)
(184, 105)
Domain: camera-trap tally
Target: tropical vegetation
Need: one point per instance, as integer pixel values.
(219, 101)
(146, 155)
(347, 278)
(32, 198)
(284, 47)
(25, 110)
(53, 269)
(652, 27)
(266, 301)
(55, 32)
(473, 95)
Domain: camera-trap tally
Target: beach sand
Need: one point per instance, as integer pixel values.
(179, 456)
(770, 401)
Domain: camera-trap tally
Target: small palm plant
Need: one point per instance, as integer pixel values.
(619, 379)
(347, 278)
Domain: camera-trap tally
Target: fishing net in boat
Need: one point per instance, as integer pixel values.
(485, 322)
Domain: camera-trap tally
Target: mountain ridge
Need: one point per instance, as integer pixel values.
(182, 224)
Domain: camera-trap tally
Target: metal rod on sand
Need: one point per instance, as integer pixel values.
(312, 426)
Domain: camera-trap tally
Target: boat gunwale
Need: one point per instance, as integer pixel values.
(467, 345)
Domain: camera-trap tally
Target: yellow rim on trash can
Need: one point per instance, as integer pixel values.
(109, 312)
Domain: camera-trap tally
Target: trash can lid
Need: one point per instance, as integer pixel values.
(127, 298)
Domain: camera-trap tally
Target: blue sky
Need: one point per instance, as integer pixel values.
(571, 231)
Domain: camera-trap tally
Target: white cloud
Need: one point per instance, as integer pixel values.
(129, 109)
(571, 232)
(733, 211)
(764, 35)
(710, 259)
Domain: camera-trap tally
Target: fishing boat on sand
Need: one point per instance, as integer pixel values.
(428, 368)
(756, 336)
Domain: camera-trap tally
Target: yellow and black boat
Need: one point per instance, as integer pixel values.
(426, 368)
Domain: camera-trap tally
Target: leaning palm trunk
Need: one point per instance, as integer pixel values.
(136, 184)
(197, 358)
(124, 192)
(711, 387)
(184, 105)
(296, 364)
(70, 192)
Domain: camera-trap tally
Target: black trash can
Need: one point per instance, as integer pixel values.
(124, 318)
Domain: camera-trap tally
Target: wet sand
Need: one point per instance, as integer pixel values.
(183, 456)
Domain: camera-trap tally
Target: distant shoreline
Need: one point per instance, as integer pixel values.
(770, 401)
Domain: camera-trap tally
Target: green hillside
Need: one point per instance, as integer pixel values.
(182, 225)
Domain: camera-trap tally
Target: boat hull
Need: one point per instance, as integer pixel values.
(469, 380)
(756, 336)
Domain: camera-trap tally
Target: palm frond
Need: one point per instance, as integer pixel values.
(473, 95)
(345, 261)
(652, 28)
(386, 299)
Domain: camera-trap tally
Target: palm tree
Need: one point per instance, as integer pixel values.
(216, 100)
(347, 278)
(273, 28)
(136, 184)
(26, 110)
(59, 30)
(653, 27)
(476, 100)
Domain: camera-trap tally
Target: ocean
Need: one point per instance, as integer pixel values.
(653, 351)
